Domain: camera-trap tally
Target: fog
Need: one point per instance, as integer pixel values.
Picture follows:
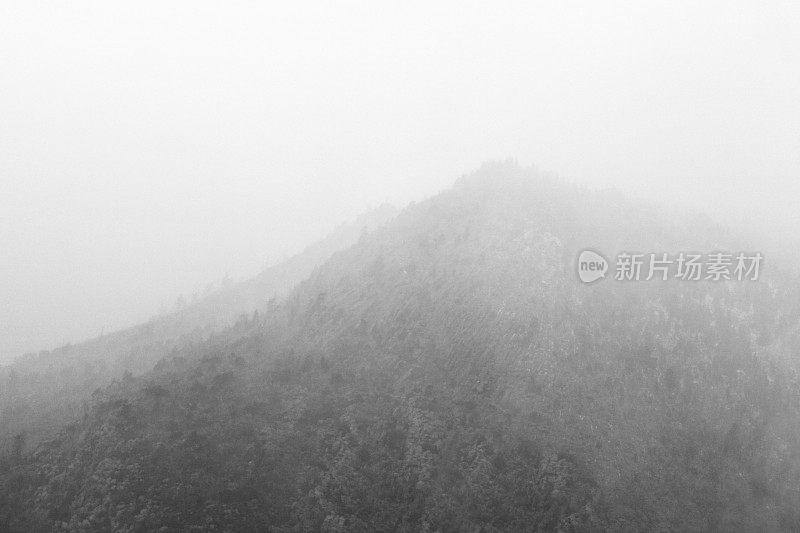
(148, 149)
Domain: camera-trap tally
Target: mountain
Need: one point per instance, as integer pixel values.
(39, 390)
(448, 372)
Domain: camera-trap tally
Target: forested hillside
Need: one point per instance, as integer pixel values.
(40, 392)
(449, 372)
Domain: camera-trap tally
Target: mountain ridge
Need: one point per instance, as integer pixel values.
(449, 372)
(95, 362)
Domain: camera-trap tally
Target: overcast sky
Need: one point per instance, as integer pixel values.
(149, 148)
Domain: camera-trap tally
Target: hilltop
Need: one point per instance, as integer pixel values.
(448, 372)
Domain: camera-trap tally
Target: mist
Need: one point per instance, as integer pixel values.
(149, 149)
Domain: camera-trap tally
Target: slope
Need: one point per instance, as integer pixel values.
(449, 372)
(40, 392)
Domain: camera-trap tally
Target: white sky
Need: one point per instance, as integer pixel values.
(149, 148)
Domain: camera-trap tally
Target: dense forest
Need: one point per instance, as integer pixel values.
(448, 372)
(39, 391)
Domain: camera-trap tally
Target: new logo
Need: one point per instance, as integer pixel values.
(591, 266)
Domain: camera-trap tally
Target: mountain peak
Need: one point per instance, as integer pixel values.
(450, 372)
